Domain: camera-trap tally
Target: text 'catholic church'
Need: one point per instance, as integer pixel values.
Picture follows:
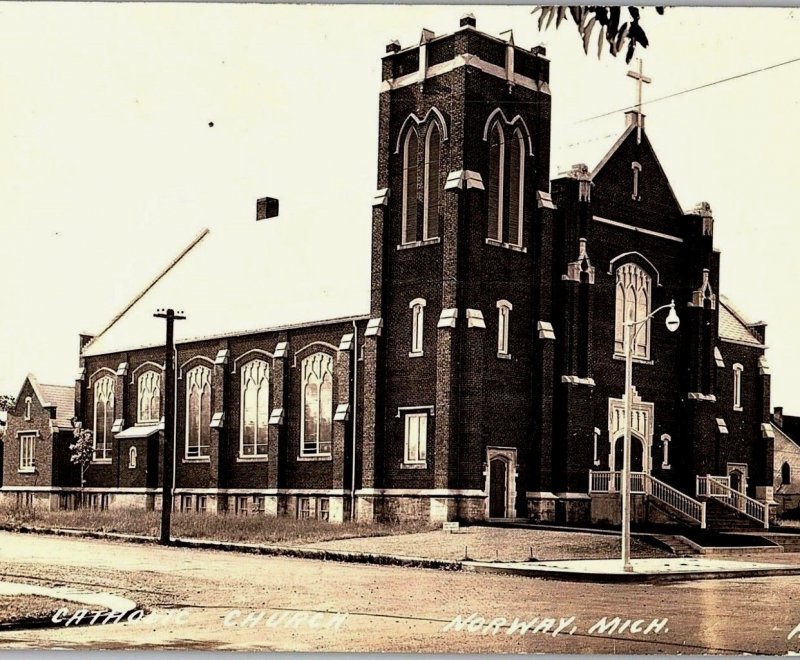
(476, 372)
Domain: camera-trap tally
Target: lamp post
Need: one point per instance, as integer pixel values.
(631, 329)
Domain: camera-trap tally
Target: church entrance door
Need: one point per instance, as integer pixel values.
(637, 453)
(498, 486)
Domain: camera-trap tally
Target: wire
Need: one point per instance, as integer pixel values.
(694, 89)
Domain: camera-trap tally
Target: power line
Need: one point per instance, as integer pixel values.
(694, 89)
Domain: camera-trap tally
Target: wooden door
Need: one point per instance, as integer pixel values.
(498, 488)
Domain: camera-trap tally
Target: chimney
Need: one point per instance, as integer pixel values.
(266, 207)
(777, 416)
(631, 117)
(393, 46)
(468, 19)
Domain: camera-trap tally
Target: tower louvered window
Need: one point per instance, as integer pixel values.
(432, 193)
(410, 186)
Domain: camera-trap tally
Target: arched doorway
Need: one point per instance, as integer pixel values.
(637, 453)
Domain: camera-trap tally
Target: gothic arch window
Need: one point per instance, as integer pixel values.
(637, 173)
(516, 188)
(149, 397)
(503, 318)
(633, 300)
(737, 386)
(410, 186)
(316, 426)
(198, 412)
(417, 326)
(431, 213)
(786, 474)
(132, 455)
(27, 408)
(497, 157)
(253, 435)
(103, 417)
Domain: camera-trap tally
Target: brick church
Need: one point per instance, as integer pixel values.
(477, 371)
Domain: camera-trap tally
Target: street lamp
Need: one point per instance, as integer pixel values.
(631, 329)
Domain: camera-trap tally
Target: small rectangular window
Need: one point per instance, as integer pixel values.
(324, 508)
(259, 502)
(186, 503)
(242, 505)
(416, 438)
(306, 509)
(201, 503)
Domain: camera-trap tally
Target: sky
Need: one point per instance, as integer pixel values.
(110, 163)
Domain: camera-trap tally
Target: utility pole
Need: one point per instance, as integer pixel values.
(168, 436)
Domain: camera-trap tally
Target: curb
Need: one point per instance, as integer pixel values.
(628, 578)
(250, 548)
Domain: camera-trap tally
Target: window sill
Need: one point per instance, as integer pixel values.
(197, 459)
(428, 241)
(414, 466)
(504, 356)
(101, 461)
(152, 422)
(252, 459)
(737, 409)
(321, 457)
(666, 467)
(637, 360)
(27, 471)
(416, 354)
(507, 246)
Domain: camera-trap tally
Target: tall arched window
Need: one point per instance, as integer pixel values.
(633, 304)
(103, 417)
(149, 397)
(132, 454)
(255, 409)
(410, 186)
(497, 156)
(317, 407)
(516, 188)
(432, 193)
(27, 408)
(417, 326)
(503, 319)
(786, 474)
(737, 386)
(198, 412)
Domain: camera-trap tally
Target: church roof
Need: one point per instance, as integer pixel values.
(60, 397)
(229, 281)
(733, 324)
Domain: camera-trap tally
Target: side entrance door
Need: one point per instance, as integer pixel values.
(498, 487)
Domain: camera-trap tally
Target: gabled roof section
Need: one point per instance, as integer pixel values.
(60, 397)
(238, 280)
(733, 325)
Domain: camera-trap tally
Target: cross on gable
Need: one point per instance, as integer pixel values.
(640, 79)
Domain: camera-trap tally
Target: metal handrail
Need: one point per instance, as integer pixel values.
(678, 500)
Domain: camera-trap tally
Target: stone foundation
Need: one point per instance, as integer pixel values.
(541, 506)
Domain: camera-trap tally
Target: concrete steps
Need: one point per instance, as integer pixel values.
(721, 517)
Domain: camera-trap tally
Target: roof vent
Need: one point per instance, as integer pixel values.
(266, 207)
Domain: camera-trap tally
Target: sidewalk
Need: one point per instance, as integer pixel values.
(644, 570)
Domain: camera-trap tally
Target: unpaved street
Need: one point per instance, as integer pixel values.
(387, 608)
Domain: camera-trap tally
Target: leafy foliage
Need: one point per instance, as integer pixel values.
(82, 450)
(7, 402)
(614, 31)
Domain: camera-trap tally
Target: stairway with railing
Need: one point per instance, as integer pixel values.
(646, 484)
(718, 489)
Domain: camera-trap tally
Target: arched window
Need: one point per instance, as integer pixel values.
(516, 188)
(198, 412)
(637, 169)
(132, 457)
(786, 474)
(633, 304)
(665, 440)
(417, 326)
(317, 407)
(149, 397)
(27, 409)
(497, 156)
(432, 194)
(503, 317)
(410, 186)
(255, 409)
(103, 417)
(737, 386)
